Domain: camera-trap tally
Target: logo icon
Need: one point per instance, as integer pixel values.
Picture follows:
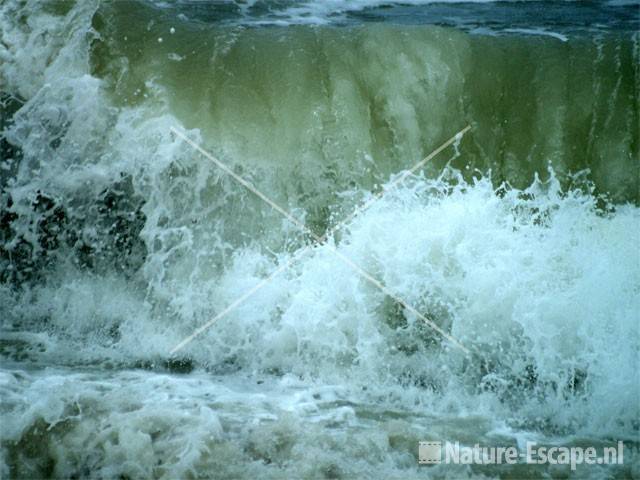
(429, 453)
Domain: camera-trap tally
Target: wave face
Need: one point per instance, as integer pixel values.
(118, 240)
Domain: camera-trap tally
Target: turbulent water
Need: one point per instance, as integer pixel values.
(118, 239)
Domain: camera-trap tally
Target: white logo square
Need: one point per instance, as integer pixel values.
(429, 452)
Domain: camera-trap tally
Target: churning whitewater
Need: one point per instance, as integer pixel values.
(118, 240)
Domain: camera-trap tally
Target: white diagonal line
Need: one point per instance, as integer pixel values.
(319, 240)
(231, 307)
(395, 182)
(240, 180)
(367, 276)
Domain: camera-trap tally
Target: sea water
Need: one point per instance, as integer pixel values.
(119, 240)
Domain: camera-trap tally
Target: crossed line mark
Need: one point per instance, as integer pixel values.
(319, 240)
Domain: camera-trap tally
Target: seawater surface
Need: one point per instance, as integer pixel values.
(118, 239)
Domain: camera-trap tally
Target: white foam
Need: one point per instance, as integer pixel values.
(538, 31)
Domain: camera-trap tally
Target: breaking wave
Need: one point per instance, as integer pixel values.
(119, 240)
